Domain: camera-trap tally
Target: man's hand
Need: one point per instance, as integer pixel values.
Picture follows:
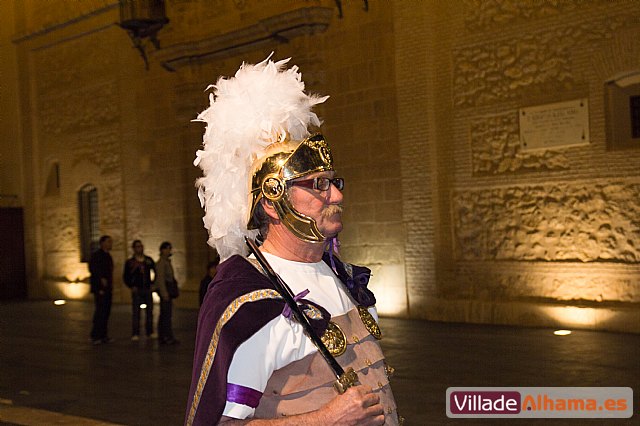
(357, 406)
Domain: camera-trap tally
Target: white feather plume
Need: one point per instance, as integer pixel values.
(260, 105)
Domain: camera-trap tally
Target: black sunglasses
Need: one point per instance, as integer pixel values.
(320, 183)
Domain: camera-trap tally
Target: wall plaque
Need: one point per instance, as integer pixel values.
(551, 126)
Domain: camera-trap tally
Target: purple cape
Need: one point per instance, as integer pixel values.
(235, 278)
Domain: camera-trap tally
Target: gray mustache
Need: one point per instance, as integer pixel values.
(331, 210)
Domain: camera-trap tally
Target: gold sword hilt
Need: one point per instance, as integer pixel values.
(346, 380)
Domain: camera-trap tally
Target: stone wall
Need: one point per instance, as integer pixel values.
(533, 229)
(11, 186)
(415, 47)
(457, 221)
(586, 222)
(105, 120)
(75, 111)
(349, 58)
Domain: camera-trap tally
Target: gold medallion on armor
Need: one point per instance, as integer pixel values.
(369, 322)
(389, 370)
(334, 339)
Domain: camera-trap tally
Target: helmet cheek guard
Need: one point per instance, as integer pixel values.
(300, 225)
(283, 162)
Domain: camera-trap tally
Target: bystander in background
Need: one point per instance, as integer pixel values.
(211, 272)
(101, 268)
(167, 287)
(137, 276)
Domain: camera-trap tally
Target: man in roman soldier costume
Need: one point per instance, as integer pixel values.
(266, 176)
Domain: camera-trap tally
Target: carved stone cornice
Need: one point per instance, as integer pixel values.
(279, 28)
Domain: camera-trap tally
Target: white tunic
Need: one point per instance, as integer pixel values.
(282, 341)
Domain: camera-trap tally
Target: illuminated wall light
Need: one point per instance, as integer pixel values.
(143, 306)
(562, 332)
(74, 290)
(581, 317)
(76, 277)
(76, 271)
(59, 302)
(388, 284)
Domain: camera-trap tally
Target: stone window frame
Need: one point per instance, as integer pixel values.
(52, 186)
(620, 93)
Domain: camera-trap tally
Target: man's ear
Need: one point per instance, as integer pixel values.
(267, 205)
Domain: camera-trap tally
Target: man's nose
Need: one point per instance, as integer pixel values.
(335, 196)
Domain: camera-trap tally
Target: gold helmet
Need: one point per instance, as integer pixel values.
(262, 112)
(282, 163)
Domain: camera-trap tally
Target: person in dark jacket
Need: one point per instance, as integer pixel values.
(101, 268)
(164, 278)
(137, 276)
(211, 272)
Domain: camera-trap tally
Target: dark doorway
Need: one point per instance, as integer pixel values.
(13, 284)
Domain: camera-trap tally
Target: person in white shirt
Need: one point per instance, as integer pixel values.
(253, 363)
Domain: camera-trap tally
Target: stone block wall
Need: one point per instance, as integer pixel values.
(352, 61)
(457, 222)
(415, 47)
(11, 185)
(74, 112)
(534, 228)
(105, 120)
(90, 109)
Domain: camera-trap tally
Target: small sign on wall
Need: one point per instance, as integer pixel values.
(556, 125)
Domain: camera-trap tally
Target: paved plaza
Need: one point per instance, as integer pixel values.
(51, 374)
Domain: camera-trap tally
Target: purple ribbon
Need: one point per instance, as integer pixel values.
(334, 246)
(286, 312)
(358, 286)
(359, 280)
(243, 395)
